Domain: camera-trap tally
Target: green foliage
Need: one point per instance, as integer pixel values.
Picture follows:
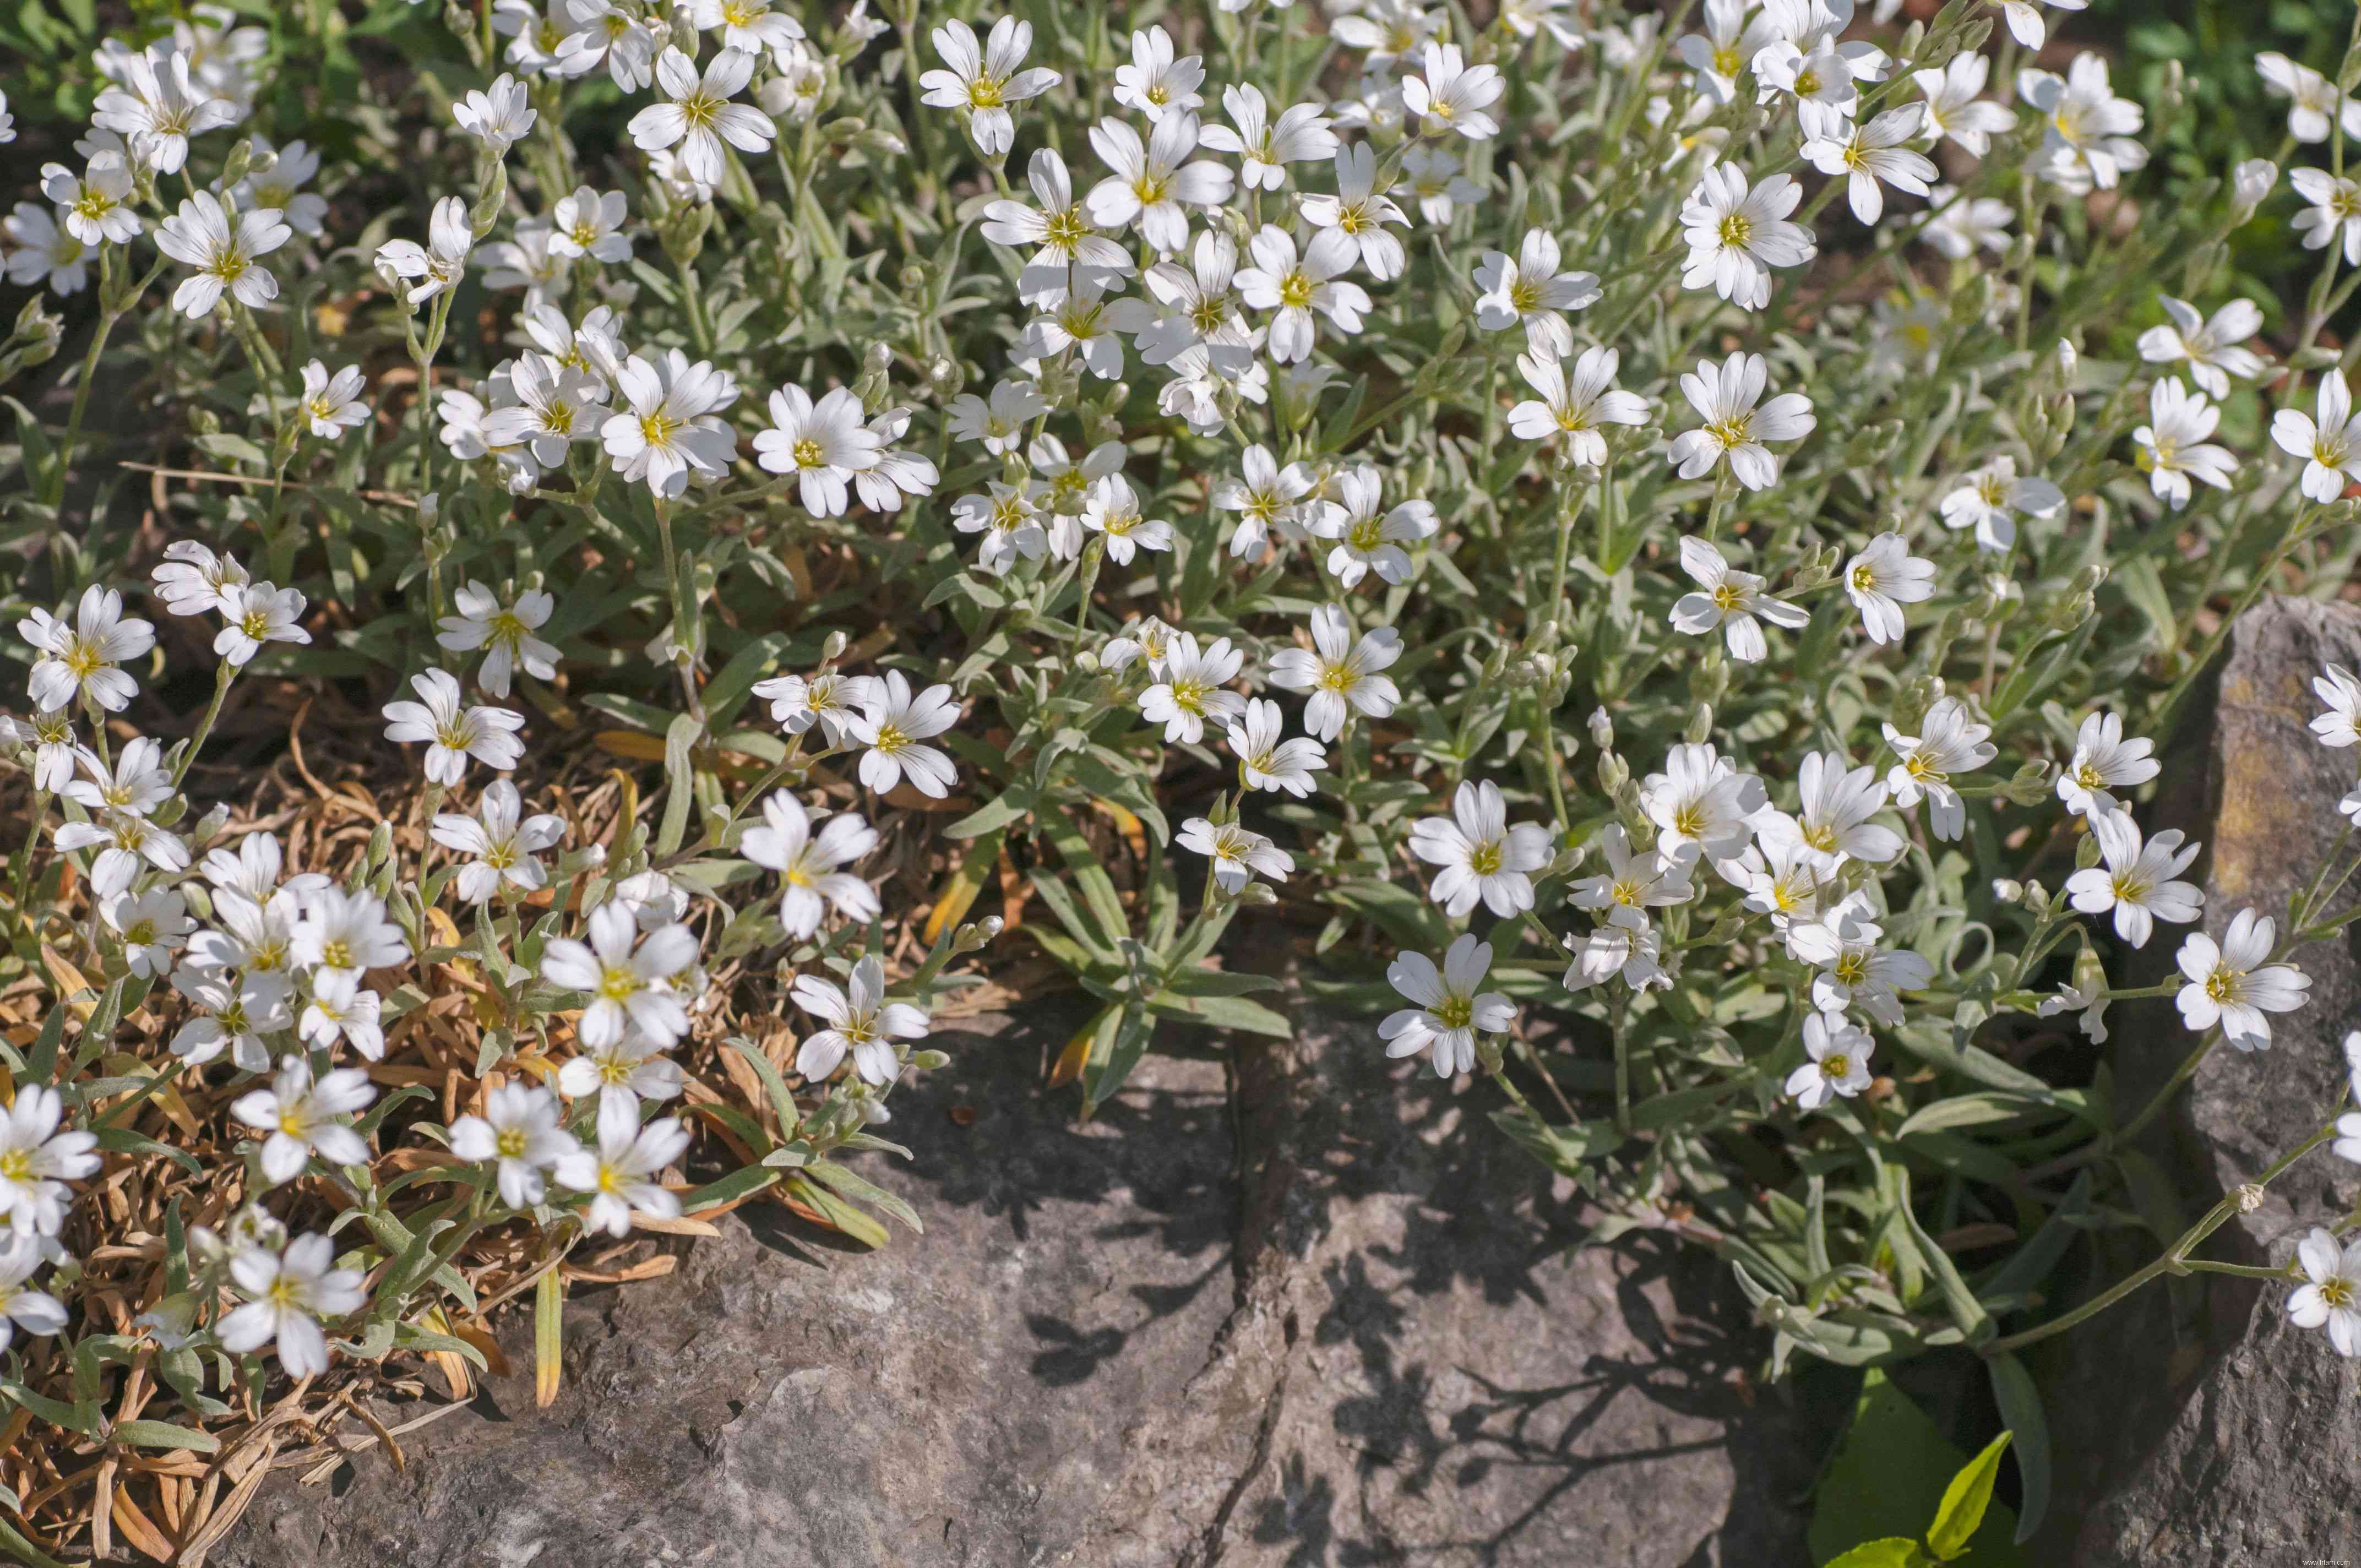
(1898, 1494)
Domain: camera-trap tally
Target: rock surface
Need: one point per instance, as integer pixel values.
(1364, 1342)
(2214, 1434)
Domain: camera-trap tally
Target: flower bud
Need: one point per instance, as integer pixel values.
(1602, 729)
(944, 377)
(2030, 783)
(2007, 890)
(975, 934)
(2249, 183)
(833, 648)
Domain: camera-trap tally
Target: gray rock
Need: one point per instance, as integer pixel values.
(2198, 1428)
(1122, 1343)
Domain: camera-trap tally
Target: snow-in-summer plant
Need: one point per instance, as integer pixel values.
(1650, 553)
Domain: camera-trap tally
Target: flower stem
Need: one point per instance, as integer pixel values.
(222, 678)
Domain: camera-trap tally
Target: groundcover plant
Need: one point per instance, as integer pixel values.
(1655, 545)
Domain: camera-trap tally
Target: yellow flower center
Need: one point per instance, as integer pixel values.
(1736, 231)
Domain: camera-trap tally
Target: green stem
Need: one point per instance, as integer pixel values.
(222, 678)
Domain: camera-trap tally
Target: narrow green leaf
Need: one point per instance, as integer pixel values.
(2020, 1406)
(1964, 1501)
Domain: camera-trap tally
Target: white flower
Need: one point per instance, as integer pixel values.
(302, 1118)
(2331, 1294)
(1299, 135)
(332, 405)
(2088, 140)
(44, 253)
(1532, 290)
(1727, 48)
(135, 784)
(2172, 445)
(2090, 1004)
(1625, 944)
(2210, 347)
(2025, 18)
(454, 733)
(1842, 944)
(37, 1160)
(1734, 429)
(2104, 760)
(1071, 248)
(1238, 853)
(2250, 182)
(1367, 540)
(50, 739)
(1987, 497)
(1956, 107)
(999, 424)
(1866, 154)
(892, 723)
(233, 1013)
(1731, 600)
(2333, 214)
(1265, 497)
(1633, 880)
(897, 474)
(2331, 445)
(1450, 1012)
(1297, 288)
(2341, 725)
(1089, 324)
(1009, 520)
(749, 24)
(504, 631)
(522, 1134)
(631, 1067)
(1361, 211)
(80, 658)
(340, 1009)
(226, 255)
(278, 186)
(630, 982)
(2138, 882)
(1963, 224)
(620, 1173)
(157, 108)
(1189, 689)
(700, 117)
(255, 614)
(94, 206)
(860, 1020)
(1736, 234)
(983, 82)
(1112, 511)
(611, 37)
(1439, 183)
(442, 260)
(348, 932)
(808, 863)
(2315, 105)
(673, 423)
(1949, 741)
(500, 842)
(153, 926)
(1834, 805)
(122, 842)
(21, 1305)
(589, 223)
(556, 405)
(1575, 406)
(2233, 983)
(1150, 185)
(287, 1296)
(1266, 762)
(1700, 800)
(192, 580)
(499, 117)
(827, 699)
(1156, 82)
(1838, 1066)
(1453, 94)
(1342, 675)
(824, 444)
(1481, 855)
(1882, 578)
